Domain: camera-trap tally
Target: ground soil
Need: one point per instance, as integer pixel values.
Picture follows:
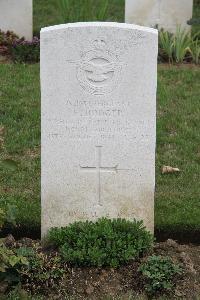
(101, 283)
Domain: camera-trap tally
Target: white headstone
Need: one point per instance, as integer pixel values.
(16, 16)
(98, 85)
(166, 14)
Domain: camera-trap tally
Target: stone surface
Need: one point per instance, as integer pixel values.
(16, 15)
(167, 14)
(98, 87)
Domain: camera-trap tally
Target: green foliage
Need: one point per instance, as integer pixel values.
(159, 273)
(195, 49)
(8, 215)
(194, 21)
(101, 243)
(10, 262)
(8, 164)
(181, 44)
(19, 50)
(11, 212)
(2, 218)
(166, 45)
(18, 294)
(6, 40)
(26, 51)
(43, 270)
(83, 10)
(179, 47)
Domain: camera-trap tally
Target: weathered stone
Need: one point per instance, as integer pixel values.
(98, 85)
(16, 16)
(166, 14)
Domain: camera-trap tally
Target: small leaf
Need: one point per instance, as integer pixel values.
(13, 260)
(24, 261)
(2, 268)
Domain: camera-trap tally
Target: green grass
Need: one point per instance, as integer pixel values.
(46, 12)
(178, 135)
(20, 118)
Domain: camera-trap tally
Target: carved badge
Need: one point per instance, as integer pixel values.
(99, 70)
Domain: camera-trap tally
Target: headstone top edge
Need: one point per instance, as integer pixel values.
(99, 24)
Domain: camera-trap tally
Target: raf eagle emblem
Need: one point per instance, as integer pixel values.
(99, 69)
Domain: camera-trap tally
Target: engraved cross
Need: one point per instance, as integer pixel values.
(98, 169)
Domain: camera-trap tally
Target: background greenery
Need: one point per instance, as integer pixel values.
(177, 206)
(46, 12)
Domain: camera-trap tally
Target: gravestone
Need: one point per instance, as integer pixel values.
(16, 16)
(98, 87)
(166, 14)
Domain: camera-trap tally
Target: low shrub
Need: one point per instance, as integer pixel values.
(18, 49)
(159, 273)
(25, 51)
(102, 243)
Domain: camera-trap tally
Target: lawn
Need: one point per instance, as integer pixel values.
(177, 209)
(177, 206)
(20, 140)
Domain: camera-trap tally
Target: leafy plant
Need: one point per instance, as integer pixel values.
(182, 41)
(195, 49)
(19, 49)
(43, 270)
(26, 51)
(100, 243)
(10, 262)
(179, 47)
(159, 273)
(166, 45)
(82, 10)
(6, 40)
